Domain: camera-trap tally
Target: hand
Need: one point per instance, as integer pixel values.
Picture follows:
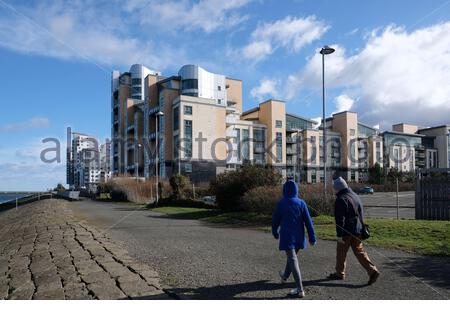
(313, 243)
(340, 240)
(276, 236)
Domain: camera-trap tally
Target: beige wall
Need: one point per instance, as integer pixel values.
(270, 112)
(234, 92)
(346, 123)
(405, 128)
(208, 119)
(251, 116)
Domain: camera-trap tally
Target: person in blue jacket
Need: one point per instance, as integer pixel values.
(289, 220)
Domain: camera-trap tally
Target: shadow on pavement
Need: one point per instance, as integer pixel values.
(434, 270)
(232, 291)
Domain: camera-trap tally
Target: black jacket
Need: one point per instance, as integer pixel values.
(347, 212)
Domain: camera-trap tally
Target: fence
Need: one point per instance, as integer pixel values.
(433, 194)
(15, 203)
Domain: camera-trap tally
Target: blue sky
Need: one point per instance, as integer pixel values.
(392, 62)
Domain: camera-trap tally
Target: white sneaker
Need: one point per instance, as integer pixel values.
(297, 293)
(282, 278)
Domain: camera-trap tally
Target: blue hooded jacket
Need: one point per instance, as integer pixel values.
(291, 216)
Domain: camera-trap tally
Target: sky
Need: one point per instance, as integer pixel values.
(392, 63)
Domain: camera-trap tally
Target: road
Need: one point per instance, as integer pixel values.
(197, 260)
(383, 205)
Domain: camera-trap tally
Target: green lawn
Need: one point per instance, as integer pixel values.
(423, 237)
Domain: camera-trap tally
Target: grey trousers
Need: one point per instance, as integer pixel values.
(292, 266)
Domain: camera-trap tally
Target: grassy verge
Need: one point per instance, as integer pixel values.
(423, 237)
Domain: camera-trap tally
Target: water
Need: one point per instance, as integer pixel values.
(12, 196)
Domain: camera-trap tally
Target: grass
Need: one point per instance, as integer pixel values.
(418, 236)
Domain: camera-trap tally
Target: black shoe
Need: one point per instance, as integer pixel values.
(373, 278)
(335, 276)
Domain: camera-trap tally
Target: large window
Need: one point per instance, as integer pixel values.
(279, 146)
(313, 150)
(278, 124)
(176, 146)
(238, 143)
(189, 84)
(136, 81)
(176, 119)
(245, 144)
(188, 138)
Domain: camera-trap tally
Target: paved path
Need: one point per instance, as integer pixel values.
(207, 261)
(46, 253)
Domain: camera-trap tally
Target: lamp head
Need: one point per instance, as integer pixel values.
(327, 50)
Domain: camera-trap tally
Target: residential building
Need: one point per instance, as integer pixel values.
(87, 164)
(193, 123)
(437, 142)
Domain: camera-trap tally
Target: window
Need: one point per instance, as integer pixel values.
(278, 124)
(188, 167)
(189, 84)
(188, 138)
(136, 81)
(279, 142)
(245, 146)
(352, 132)
(176, 119)
(187, 109)
(219, 101)
(313, 150)
(238, 143)
(219, 88)
(176, 146)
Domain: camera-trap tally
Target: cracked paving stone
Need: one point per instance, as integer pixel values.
(138, 289)
(116, 269)
(106, 292)
(49, 294)
(24, 292)
(99, 276)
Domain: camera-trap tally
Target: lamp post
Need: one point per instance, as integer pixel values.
(158, 116)
(325, 50)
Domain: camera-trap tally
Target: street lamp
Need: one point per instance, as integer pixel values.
(158, 115)
(325, 50)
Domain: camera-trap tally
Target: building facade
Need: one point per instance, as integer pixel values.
(88, 164)
(193, 124)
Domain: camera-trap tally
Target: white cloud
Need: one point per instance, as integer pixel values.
(290, 33)
(206, 15)
(267, 89)
(79, 30)
(398, 76)
(33, 123)
(343, 103)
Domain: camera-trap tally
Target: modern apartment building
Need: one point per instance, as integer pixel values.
(87, 163)
(193, 123)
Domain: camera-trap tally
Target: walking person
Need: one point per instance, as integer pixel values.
(289, 220)
(348, 213)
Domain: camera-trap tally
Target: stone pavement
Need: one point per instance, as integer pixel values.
(46, 253)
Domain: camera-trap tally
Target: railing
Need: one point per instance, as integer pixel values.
(17, 202)
(433, 194)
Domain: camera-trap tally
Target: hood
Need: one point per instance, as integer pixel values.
(290, 189)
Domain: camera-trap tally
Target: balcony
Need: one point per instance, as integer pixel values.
(231, 107)
(259, 149)
(290, 151)
(291, 140)
(233, 160)
(231, 133)
(231, 119)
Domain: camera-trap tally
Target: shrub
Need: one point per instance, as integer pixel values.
(230, 186)
(261, 200)
(178, 183)
(130, 189)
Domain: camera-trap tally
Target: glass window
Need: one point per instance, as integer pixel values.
(176, 146)
(219, 101)
(136, 81)
(279, 141)
(352, 132)
(245, 146)
(219, 88)
(188, 138)
(189, 84)
(188, 167)
(187, 109)
(278, 123)
(238, 143)
(176, 119)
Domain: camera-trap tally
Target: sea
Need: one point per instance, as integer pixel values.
(5, 197)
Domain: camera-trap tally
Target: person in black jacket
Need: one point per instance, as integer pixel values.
(348, 213)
